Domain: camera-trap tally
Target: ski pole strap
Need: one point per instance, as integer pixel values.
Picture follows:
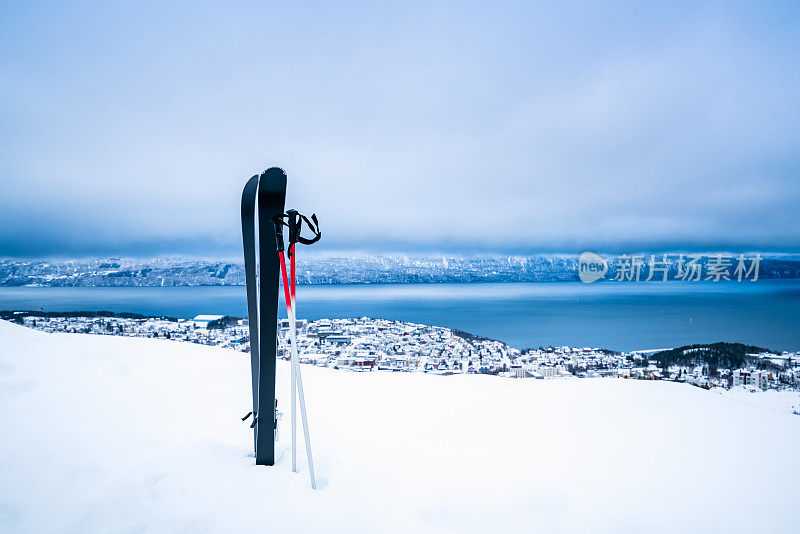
(313, 225)
(295, 221)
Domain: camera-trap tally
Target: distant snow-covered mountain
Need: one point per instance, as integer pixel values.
(358, 269)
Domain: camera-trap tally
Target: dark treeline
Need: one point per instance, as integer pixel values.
(715, 356)
(16, 316)
(471, 337)
(223, 323)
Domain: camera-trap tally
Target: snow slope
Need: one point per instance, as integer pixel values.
(111, 434)
(786, 401)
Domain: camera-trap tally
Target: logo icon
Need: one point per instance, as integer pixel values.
(591, 267)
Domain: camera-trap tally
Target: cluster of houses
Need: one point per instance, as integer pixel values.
(378, 344)
(196, 330)
(364, 344)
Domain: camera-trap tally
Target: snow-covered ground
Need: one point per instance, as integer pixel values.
(785, 401)
(111, 434)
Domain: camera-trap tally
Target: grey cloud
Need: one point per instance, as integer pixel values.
(524, 129)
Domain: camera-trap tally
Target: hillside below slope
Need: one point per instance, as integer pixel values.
(111, 434)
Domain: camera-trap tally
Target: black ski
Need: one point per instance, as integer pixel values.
(262, 303)
(271, 199)
(249, 241)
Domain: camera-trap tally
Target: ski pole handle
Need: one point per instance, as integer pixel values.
(294, 225)
(278, 222)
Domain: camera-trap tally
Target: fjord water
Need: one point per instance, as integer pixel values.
(607, 315)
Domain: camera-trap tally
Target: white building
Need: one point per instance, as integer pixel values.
(759, 379)
(548, 372)
(338, 339)
(543, 371)
(517, 371)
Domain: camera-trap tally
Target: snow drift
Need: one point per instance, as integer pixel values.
(108, 434)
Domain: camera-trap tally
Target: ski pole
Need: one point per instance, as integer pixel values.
(297, 381)
(287, 295)
(296, 378)
(291, 258)
(303, 417)
(298, 375)
(290, 309)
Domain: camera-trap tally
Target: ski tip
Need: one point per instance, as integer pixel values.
(249, 193)
(274, 170)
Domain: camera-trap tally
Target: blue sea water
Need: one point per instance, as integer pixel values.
(608, 315)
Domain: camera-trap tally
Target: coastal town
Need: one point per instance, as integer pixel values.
(370, 345)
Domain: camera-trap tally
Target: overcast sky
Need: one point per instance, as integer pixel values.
(422, 127)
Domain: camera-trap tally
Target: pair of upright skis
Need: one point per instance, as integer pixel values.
(267, 192)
